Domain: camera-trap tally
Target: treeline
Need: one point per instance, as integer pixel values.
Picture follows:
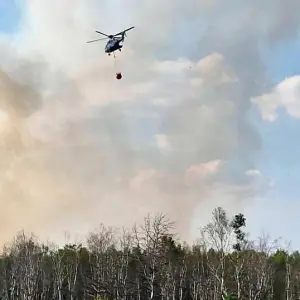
(148, 262)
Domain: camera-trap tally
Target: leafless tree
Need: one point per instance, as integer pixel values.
(217, 236)
(123, 258)
(259, 268)
(100, 243)
(201, 276)
(59, 270)
(10, 272)
(172, 269)
(71, 260)
(149, 237)
(27, 258)
(46, 271)
(238, 260)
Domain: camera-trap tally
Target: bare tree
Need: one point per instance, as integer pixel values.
(71, 260)
(239, 257)
(260, 269)
(149, 238)
(217, 235)
(27, 258)
(10, 270)
(124, 256)
(100, 243)
(172, 269)
(201, 277)
(59, 270)
(46, 272)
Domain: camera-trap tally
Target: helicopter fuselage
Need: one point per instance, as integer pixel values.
(113, 45)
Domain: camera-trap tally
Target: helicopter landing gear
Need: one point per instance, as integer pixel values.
(120, 50)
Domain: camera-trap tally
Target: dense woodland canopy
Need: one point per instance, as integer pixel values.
(148, 262)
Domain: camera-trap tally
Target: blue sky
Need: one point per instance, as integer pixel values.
(9, 16)
(281, 149)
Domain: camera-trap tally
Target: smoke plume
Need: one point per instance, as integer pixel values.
(174, 135)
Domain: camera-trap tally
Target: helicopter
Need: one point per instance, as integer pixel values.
(114, 41)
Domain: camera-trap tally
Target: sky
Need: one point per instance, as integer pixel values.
(207, 114)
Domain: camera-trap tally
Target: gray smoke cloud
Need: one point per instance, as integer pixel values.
(79, 147)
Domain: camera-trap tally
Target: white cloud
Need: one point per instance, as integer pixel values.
(162, 142)
(253, 173)
(285, 95)
(200, 173)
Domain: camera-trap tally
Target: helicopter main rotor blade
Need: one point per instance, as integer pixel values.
(102, 33)
(124, 31)
(96, 40)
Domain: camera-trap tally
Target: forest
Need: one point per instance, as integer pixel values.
(149, 262)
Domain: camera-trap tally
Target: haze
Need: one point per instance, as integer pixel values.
(174, 135)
